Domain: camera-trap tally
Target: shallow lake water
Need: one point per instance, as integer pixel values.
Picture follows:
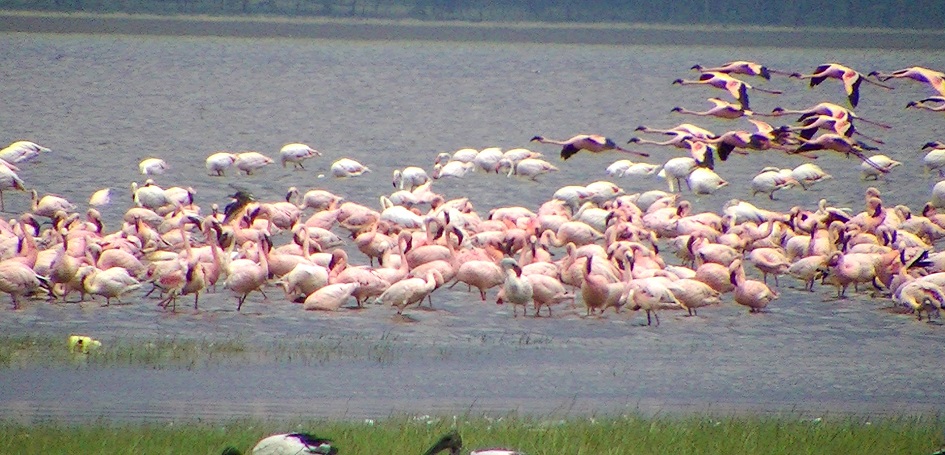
(103, 103)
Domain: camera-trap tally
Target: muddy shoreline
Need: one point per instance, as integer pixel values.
(373, 30)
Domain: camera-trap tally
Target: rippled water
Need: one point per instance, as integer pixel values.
(103, 103)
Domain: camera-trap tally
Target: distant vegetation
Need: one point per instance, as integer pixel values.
(911, 14)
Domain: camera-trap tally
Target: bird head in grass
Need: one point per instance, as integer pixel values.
(451, 441)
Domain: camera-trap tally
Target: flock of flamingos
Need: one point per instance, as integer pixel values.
(648, 251)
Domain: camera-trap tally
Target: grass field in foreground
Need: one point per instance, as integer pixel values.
(702, 435)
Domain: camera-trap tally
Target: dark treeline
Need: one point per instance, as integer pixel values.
(908, 14)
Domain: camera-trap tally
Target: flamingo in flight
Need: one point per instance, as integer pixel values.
(593, 143)
(738, 88)
(929, 104)
(838, 143)
(934, 79)
(851, 79)
(721, 109)
(742, 67)
(825, 108)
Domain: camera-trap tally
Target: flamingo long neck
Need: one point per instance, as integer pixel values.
(545, 140)
(214, 273)
(552, 236)
(306, 244)
(29, 251)
(766, 233)
(263, 255)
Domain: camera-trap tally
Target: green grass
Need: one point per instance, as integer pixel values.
(598, 436)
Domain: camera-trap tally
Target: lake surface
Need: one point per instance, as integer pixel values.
(103, 103)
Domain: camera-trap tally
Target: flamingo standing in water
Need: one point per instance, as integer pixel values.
(250, 161)
(295, 153)
(483, 275)
(593, 143)
(21, 151)
(808, 174)
(516, 289)
(347, 167)
(110, 283)
(330, 297)
(410, 177)
(218, 163)
(530, 168)
(9, 180)
(18, 280)
(409, 291)
(751, 293)
(245, 276)
(152, 166)
(704, 181)
(851, 79)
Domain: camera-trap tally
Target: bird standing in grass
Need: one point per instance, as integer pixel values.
(454, 443)
(291, 443)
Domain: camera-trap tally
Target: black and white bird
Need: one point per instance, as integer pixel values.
(454, 443)
(289, 444)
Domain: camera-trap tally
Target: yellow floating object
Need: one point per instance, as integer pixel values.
(83, 344)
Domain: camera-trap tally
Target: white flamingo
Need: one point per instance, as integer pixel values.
(410, 291)
(295, 153)
(9, 180)
(704, 181)
(885, 165)
(21, 151)
(530, 168)
(808, 174)
(101, 197)
(111, 283)
(347, 167)
(249, 162)
(152, 166)
(488, 159)
(456, 169)
(219, 162)
(330, 297)
(410, 178)
(516, 289)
